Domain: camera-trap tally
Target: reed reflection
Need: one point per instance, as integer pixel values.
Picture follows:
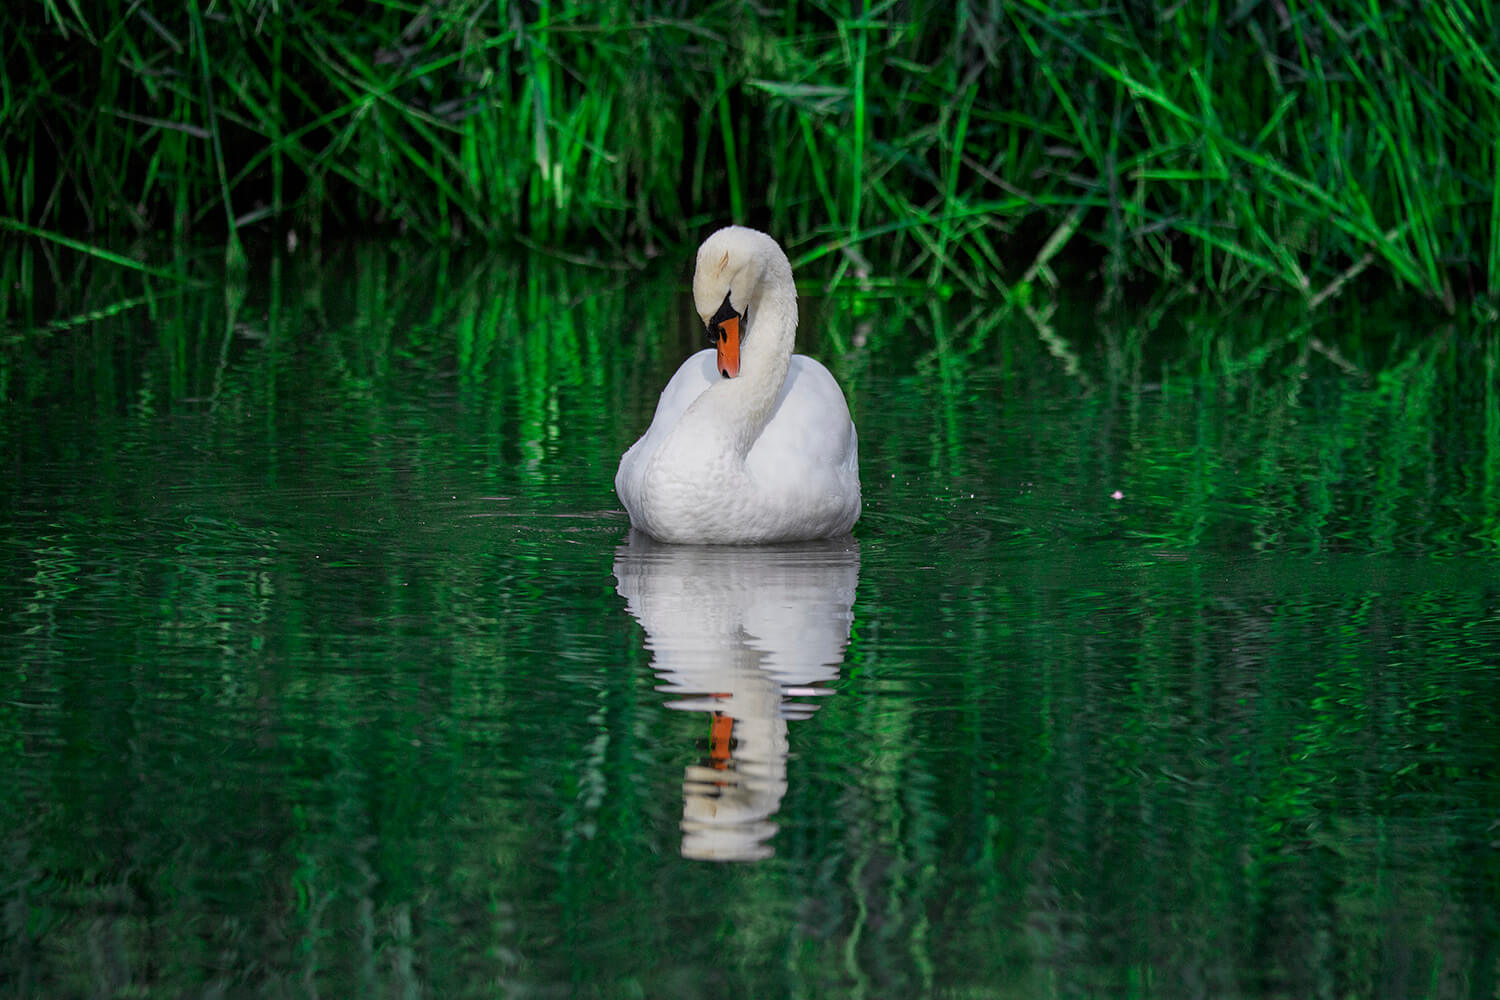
(743, 635)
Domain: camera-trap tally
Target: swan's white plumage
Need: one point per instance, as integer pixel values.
(768, 456)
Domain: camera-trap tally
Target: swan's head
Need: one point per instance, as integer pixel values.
(732, 264)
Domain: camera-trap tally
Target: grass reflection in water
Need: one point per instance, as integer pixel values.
(335, 670)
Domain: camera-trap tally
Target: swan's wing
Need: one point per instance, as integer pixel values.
(807, 458)
(694, 375)
(811, 421)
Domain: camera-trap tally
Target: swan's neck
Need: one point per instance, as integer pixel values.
(742, 406)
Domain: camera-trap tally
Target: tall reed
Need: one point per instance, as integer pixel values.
(1300, 148)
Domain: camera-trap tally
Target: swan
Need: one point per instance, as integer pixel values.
(750, 443)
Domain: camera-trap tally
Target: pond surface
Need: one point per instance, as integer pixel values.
(328, 666)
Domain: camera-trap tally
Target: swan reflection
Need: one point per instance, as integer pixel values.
(740, 634)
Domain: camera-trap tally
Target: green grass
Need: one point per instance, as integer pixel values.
(1230, 151)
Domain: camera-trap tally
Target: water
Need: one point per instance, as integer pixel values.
(331, 667)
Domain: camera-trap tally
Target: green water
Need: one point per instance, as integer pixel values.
(328, 666)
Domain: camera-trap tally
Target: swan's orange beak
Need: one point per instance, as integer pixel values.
(726, 329)
(728, 342)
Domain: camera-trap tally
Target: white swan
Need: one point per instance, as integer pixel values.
(749, 442)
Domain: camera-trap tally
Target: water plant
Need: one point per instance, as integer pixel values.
(1302, 148)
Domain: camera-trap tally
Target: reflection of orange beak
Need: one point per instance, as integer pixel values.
(729, 347)
(719, 735)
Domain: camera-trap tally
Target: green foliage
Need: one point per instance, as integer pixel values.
(1227, 150)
